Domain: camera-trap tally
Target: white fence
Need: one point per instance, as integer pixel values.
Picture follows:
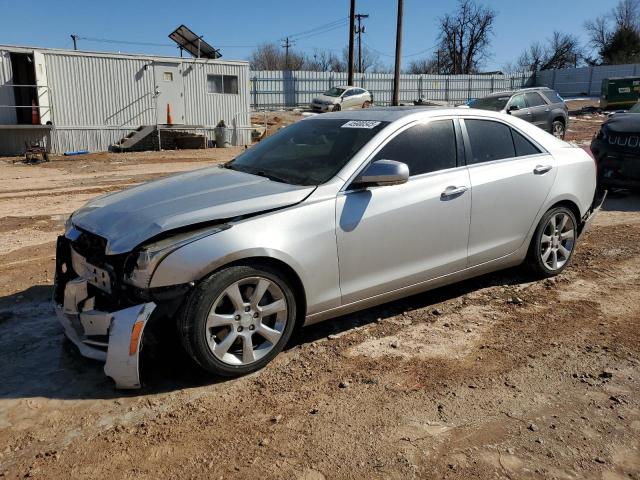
(570, 82)
(282, 89)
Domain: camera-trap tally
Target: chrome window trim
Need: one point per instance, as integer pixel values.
(365, 163)
(467, 143)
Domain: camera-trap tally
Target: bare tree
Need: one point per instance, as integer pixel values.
(270, 56)
(370, 58)
(321, 61)
(464, 37)
(626, 14)
(423, 65)
(599, 33)
(562, 50)
(613, 37)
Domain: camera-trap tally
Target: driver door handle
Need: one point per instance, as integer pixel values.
(541, 169)
(453, 191)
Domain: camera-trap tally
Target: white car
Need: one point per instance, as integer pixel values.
(342, 98)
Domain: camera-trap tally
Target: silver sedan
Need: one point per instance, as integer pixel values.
(333, 214)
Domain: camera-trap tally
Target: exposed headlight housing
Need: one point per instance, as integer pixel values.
(149, 256)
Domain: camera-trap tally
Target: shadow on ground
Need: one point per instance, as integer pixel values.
(619, 200)
(38, 361)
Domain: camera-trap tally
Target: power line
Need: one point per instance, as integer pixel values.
(426, 50)
(320, 27)
(313, 34)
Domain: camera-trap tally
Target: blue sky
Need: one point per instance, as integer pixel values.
(237, 26)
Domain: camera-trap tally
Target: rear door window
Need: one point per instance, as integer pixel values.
(523, 146)
(534, 99)
(489, 141)
(552, 96)
(424, 148)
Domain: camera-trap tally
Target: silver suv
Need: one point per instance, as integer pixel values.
(541, 106)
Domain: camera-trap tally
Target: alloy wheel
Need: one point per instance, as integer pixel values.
(246, 321)
(558, 130)
(557, 241)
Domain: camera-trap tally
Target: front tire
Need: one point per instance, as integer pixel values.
(553, 242)
(558, 129)
(336, 108)
(237, 320)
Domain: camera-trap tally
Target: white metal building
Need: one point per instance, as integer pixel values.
(90, 100)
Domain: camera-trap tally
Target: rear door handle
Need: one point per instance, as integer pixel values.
(453, 191)
(541, 169)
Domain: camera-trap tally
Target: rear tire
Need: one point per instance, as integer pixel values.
(366, 104)
(553, 242)
(558, 129)
(237, 320)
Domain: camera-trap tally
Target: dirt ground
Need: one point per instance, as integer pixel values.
(497, 377)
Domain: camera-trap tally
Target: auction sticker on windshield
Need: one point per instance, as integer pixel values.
(361, 124)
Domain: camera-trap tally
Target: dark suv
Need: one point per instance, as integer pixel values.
(616, 148)
(541, 106)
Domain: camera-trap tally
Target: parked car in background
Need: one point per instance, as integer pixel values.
(540, 105)
(342, 98)
(330, 215)
(616, 148)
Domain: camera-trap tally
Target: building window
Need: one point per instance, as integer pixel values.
(222, 84)
(168, 76)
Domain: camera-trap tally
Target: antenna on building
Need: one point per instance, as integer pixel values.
(75, 38)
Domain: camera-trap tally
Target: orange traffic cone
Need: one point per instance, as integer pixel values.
(169, 118)
(35, 115)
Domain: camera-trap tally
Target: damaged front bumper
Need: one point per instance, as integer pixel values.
(111, 337)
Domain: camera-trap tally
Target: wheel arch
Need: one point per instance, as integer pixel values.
(280, 266)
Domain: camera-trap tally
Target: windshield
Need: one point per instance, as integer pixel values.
(496, 104)
(334, 92)
(635, 108)
(309, 152)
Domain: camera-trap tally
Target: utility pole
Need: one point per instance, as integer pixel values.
(352, 21)
(75, 40)
(360, 30)
(286, 46)
(396, 72)
(454, 51)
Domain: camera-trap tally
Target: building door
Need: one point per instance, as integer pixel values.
(170, 92)
(42, 88)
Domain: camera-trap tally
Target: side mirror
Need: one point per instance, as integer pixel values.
(513, 108)
(383, 172)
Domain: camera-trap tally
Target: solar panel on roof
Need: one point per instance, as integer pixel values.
(194, 44)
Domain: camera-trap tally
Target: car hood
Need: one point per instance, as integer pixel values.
(624, 123)
(327, 98)
(128, 218)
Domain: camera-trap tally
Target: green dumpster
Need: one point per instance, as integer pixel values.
(619, 92)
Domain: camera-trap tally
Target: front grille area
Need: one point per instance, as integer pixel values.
(90, 246)
(625, 142)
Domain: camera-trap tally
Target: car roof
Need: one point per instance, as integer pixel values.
(391, 114)
(397, 116)
(520, 90)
